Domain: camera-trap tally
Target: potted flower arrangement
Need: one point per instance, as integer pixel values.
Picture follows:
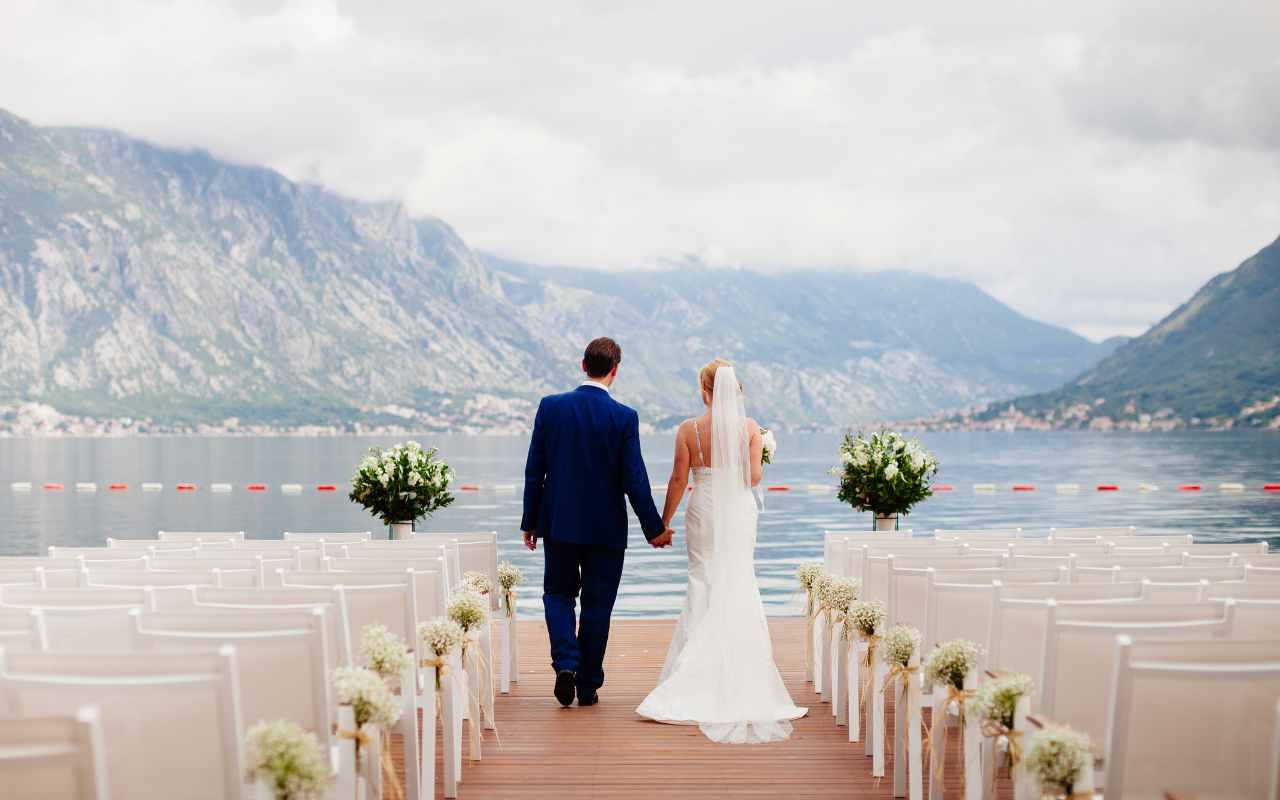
(402, 484)
(885, 474)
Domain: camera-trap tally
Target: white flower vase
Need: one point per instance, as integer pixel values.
(886, 522)
(401, 530)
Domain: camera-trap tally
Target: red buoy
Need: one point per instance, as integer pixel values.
(469, 487)
(779, 488)
(185, 487)
(1024, 487)
(1108, 487)
(1189, 487)
(1271, 487)
(53, 487)
(256, 487)
(944, 487)
(118, 487)
(326, 487)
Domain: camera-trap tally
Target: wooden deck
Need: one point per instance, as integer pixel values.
(607, 751)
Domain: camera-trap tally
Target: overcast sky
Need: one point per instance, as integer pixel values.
(1091, 164)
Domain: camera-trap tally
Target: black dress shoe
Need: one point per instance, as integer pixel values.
(588, 697)
(564, 687)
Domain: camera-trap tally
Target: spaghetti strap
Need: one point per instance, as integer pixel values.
(697, 436)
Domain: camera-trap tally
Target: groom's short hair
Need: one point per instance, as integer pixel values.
(601, 357)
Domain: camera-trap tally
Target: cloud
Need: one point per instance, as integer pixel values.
(1089, 163)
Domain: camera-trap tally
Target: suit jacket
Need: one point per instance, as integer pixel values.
(584, 456)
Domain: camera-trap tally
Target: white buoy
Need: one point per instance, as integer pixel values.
(291, 488)
(984, 488)
(20, 486)
(506, 488)
(1231, 487)
(86, 487)
(1148, 487)
(152, 487)
(818, 488)
(220, 488)
(1068, 488)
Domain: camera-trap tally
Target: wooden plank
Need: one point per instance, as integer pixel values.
(551, 753)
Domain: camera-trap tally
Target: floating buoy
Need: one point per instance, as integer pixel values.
(326, 487)
(1108, 487)
(291, 488)
(1068, 488)
(1189, 487)
(1148, 487)
(1231, 487)
(511, 487)
(1024, 487)
(53, 487)
(152, 487)
(256, 487)
(779, 488)
(220, 488)
(984, 488)
(944, 487)
(821, 488)
(1271, 487)
(185, 487)
(117, 487)
(20, 486)
(86, 487)
(469, 487)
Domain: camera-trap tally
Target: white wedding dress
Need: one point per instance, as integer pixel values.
(719, 673)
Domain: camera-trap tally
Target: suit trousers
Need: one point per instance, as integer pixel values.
(593, 571)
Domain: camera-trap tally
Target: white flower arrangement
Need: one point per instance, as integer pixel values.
(900, 643)
(997, 699)
(820, 587)
(509, 576)
(1057, 758)
(476, 583)
(288, 759)
(384, 652)
(441, 635)
(884, 473)
(838, 593)
(469, 610)
(866, 616)
(367, 694)
(402, 484)
(950, 662)
(808, 575)
(770, 443)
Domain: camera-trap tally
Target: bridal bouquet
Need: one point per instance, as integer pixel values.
(884, 473)
(770, 446)
(402, 484)
(288, 759)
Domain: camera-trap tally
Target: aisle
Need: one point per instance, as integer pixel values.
(606, 751)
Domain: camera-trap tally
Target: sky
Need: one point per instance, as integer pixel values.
(1091, 164)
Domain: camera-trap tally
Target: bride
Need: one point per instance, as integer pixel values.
(719, 673)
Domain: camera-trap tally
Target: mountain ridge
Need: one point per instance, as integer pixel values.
(144, 283)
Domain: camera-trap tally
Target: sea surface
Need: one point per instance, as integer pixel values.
(791, 524)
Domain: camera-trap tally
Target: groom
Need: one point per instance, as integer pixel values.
(583, 457)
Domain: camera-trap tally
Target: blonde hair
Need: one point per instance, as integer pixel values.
(707, 375)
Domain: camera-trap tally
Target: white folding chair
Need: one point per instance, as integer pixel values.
(59, 557)
(58, 757)
(1256, 590)
(264, 569)
(1224, 548)
(1261, 574)
(1266, 560)
(1104, 532)
(157, 544)
(1147, 540)
(834, 543)
(328, 537)
(1181, 574)
(1075, 682)
(332, 599)
(907, 577)
(171, 722)
(22, 629)
(200, 537)
(958, 602)
(282, 655)
(1193, 719)
(857, 553)
(91, 578)
(980, 535)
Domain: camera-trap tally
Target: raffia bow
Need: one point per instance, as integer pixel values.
(897, 671)
(864, 691)
(995, 730)
(810, 617)
(390, 780)
(509, 598)
(939, 732)
(474, 692)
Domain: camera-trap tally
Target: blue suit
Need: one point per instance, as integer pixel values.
(584, 458)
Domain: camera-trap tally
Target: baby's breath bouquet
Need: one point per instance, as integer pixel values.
(996, 700)
(384, 652)
(866, 616)
(950, 662)
(470, 611)
(899, 645)
(884, 473)
(1058, 758)
(289, 760)
(402, 484)
(441, 636)
(808, 575)
(509, 577)
(476, 583)
(367, 694)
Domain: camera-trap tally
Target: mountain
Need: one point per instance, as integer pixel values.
(166, 288)
(1215, 362)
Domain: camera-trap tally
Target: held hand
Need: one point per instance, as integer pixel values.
(663, 539)
(530, 539)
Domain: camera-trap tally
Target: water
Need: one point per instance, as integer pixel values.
(653, 584)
